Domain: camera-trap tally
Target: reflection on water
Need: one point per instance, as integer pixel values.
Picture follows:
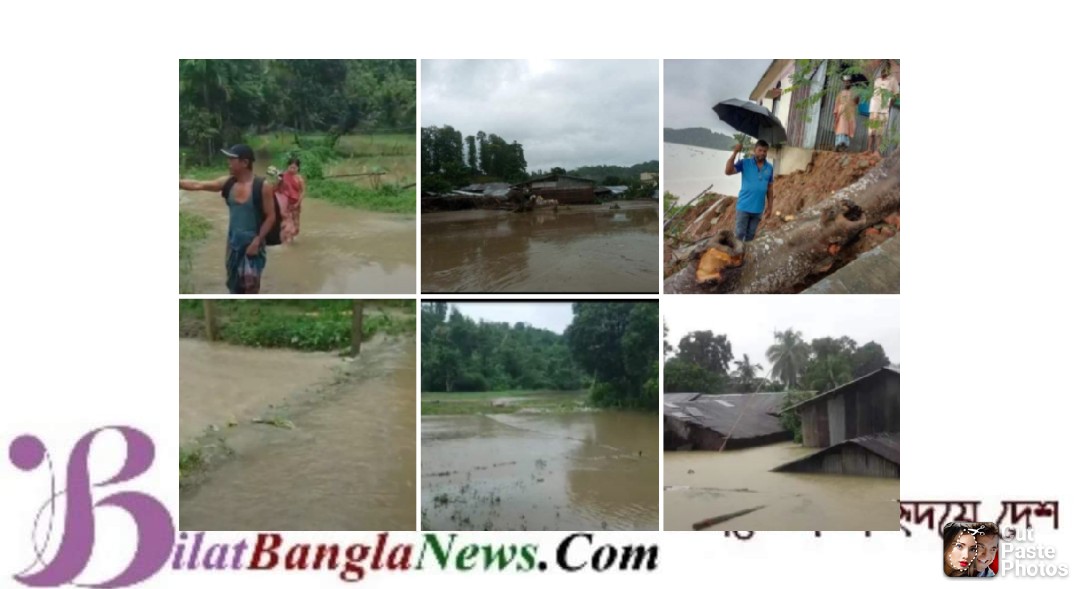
(586, 471)
(702, 485)
(340, 250)
(348, 464)
(577, 249)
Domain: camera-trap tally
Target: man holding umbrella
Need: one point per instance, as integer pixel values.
(755, 197)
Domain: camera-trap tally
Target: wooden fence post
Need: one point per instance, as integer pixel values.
(211, 319)
(357, 326)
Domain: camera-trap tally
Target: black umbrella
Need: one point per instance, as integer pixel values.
(752, 119)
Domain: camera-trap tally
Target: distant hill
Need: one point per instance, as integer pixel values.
(600, 173)
(699, 137)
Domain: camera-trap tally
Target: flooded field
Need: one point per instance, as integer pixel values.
(577, 249)
(339, 250)
(702, 485)
(213, 392)
(544, 471)
(340, 458)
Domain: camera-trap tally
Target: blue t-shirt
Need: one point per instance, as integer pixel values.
(755, 183)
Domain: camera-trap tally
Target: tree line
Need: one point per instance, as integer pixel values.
(609, 348)
(449, 160)
(221, 100)
(703, 362)
(463, 355)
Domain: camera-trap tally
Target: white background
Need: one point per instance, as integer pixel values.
(89, 134)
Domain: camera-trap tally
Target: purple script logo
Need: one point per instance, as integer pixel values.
(156, 531)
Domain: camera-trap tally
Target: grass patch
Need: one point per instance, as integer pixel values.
(392, 155)
(190, 461)
(503, 402)
(386, 198)
(310, 325)
(193, 229)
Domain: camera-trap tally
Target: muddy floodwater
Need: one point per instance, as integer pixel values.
(701, 485)
(577, 249)
(340, 250)
(342, 457)
(580, 471)
(213, 393)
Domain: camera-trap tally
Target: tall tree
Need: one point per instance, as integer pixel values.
(788, 356)
(711, 352)
(616, 343)
(470, 141)
(484, 154)
(868, 358)
(746, 370)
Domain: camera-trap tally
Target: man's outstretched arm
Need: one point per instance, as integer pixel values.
(204, 185)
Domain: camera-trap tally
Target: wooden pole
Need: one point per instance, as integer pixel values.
(357, 326)
(211, 320)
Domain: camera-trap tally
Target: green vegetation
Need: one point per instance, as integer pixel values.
(862, 71)
(460, 354)
(224, 100)
(193, 229)
(299, 324)
(502, 402)
(190, 461)
(790, 420)
(616, 343)
(701, 362)
(444, 164)
(386, 198)
(610, 348)
(448, 160)
(351, 123)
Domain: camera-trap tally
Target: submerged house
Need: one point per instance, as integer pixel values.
(567, 190)
(856, 424)
(693, 421)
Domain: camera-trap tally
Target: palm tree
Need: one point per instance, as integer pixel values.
(746, 370)
(788, 356)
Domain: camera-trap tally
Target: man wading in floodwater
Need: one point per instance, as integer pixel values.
(251, 217)
(755, 197)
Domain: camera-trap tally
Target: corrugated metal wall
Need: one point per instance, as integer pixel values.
(799, 123)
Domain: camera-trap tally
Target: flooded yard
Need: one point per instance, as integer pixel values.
(339, 457)
(576, 249)
(701, 485)
(340, 250)
(543, 471)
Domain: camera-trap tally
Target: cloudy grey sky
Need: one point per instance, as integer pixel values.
(691, 87)
(553, 316)
(564, 113)
(749, 322)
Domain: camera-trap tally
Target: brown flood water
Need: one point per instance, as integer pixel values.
(577, 249)
(340, 250)
(520, 471)
(349, 463)
(221, 383)
(726, 482)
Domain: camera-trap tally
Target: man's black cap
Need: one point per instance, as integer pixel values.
(240, 151)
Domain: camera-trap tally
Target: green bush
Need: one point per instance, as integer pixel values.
(790, 419)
